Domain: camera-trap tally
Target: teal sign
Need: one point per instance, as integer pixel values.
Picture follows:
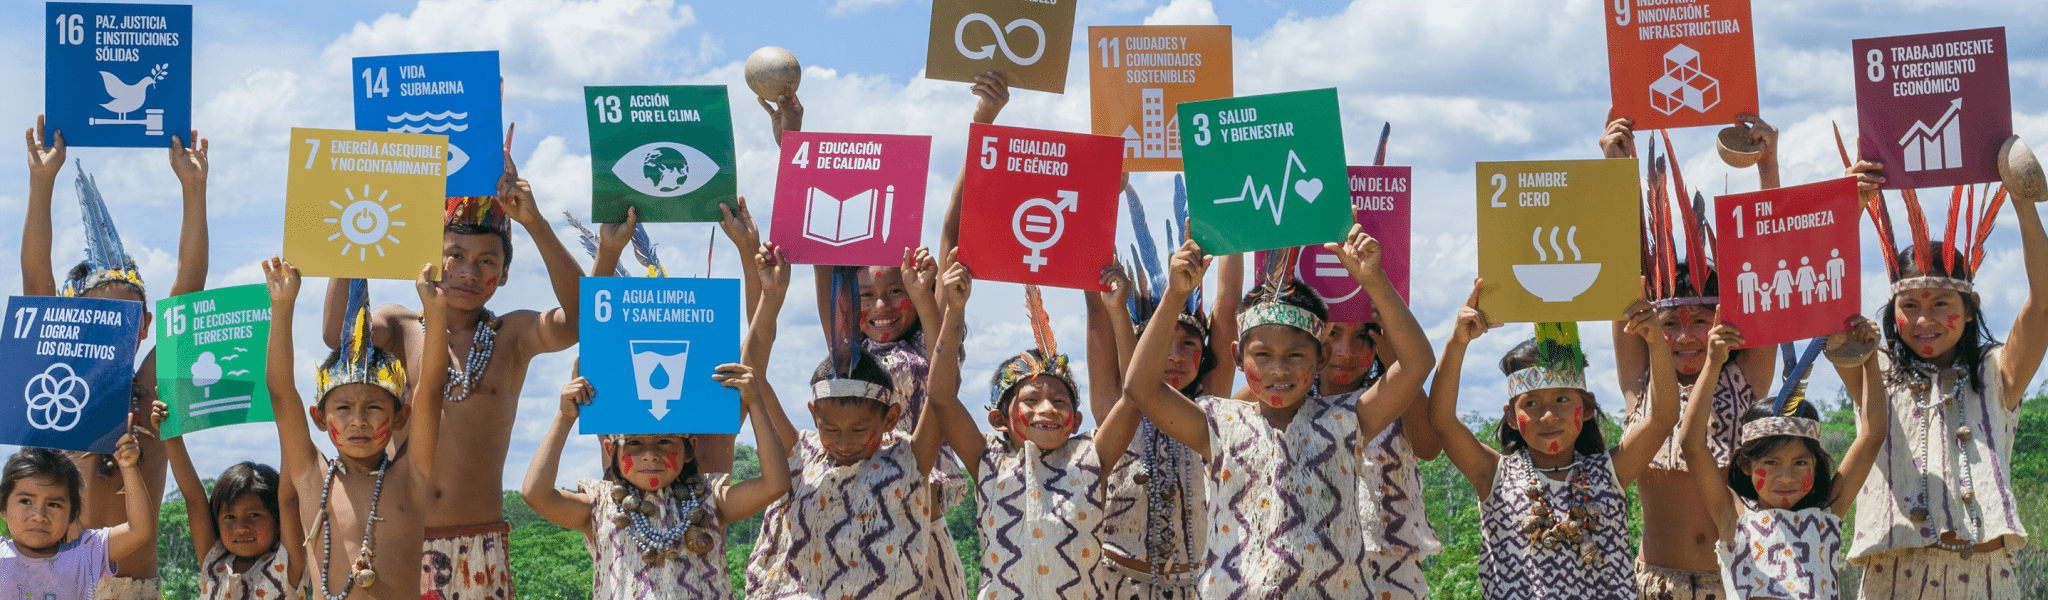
(211, 348)
(1265, 172)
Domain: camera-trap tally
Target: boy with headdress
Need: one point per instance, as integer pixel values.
(488, 354)
(108, 272)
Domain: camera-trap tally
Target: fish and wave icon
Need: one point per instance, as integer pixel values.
(435, 122)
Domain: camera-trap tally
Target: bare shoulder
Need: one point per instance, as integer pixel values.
(520, 326)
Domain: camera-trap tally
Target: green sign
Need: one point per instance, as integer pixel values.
(666, 149)
(210, 355)
(1265, 172)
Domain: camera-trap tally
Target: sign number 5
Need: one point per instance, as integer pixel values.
(988, 152)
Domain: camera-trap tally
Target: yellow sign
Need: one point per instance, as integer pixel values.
(364, 204)
(1559, 240)
(1139, 75)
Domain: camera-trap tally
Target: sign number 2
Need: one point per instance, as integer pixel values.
(1499, 179)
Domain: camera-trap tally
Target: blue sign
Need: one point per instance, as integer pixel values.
(73, 360)
(650, 346)
(455, 94)
(118, 75)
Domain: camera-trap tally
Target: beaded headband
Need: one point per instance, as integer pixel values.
(105, 260)
(356, 360)
(1933, 283)
(1541, 378)
(1280, 313)
(1664, 256)
(849, 388)
(1669, 303)
(1560, 362)
(481, 211)
(1774, 426)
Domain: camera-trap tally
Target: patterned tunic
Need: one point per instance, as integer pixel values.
(1893, 490)
(616, 568)
(1041, 517)
(1783, 554)
(1732, 396)
(1283, 503)
(265, 579)
(1390, 498)
(1511, 567)
(1123, 531)
(845, 531)
(909, 368)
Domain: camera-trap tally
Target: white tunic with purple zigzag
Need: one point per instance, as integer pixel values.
(616, 568)
(1041, 518)
(909, 370)
(1283, 503)
(1513, 568)
(845, 531)
(1783, 554)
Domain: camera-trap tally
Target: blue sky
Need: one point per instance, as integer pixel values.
(1460, 81)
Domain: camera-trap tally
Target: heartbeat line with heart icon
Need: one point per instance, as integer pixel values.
(1262, 196)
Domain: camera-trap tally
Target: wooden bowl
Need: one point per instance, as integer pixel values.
(773, 73)
(2021, 171)
(1737, 149)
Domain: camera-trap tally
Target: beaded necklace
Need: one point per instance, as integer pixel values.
(1927, 380)
(659, 544)
(361, 573)
(1542, 527)
(479, 359)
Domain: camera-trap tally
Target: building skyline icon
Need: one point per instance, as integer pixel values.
(1161, 136)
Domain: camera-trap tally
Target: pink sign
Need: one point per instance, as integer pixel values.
(1933, 108)
(1040, 206)
(850, 198)
(1787, 260)
(1379, 200)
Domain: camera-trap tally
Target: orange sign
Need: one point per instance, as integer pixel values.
(1680, 63)
(1138, 75)
(1025, 40)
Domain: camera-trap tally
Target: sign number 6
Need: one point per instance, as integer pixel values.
(603, 309)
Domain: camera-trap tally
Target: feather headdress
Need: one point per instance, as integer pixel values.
(1664, 256)
(477, 211)
(1560, 362)
(1145, 259)
(643, 248)
(1786, 417)
(1042, 360)
(843, 343)
(105, 260)
(356, 359)
(1962, 242)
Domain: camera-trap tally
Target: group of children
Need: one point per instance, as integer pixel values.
(1300, 483)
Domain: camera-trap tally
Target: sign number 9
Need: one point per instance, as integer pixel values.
(603, 309)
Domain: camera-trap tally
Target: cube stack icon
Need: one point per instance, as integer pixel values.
(1684, 85)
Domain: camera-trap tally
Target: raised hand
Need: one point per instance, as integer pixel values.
(1643, 321)
(576, 393)
(1117, 278)
(282, 279)
(1184, 271)
(433, 300)
(920, 272)
(1471, 321)
(1360, 254)
(1619, 141)
(1722, 341)
(1868, 176)
(772, 271)
(739, 225)
(739, 377)
(128, 452)
(158, 412)
(614, 237)
(1761, 134)
(514, 194)
(189, 163)
(44, 159)
(994, 91)
(787, 116)
(958, 280)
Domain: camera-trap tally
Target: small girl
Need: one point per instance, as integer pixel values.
(1554, 506)
(654, 525)
(42, 560)
(1779, 508)
(247, 547)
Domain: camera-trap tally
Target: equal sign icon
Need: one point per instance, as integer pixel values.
(1038, 223)
(1328, 265)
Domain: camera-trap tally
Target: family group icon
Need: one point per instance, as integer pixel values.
(1812, 283)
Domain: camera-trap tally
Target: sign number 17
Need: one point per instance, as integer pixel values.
(24, 321)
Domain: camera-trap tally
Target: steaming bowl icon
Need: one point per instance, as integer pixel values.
(1557, 282)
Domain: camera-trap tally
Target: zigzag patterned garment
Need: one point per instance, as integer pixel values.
(1397, 531)
(909, 370)
(1123, 531)
(1283, 503)
(1511, 567)
(1041, 518)
(615, 558)
(1783, 554)
(1732, 397)
(1893, 490)
(264, 580)
(845, 531)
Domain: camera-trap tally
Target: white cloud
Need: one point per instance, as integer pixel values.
(1183, 12)
(547, 49)
(842, 8)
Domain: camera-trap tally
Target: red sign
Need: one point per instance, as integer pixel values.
(1379, 199)
(1933, 108)
(1787, 261)
(850, 198)
(1041, 206)
(1681, 64)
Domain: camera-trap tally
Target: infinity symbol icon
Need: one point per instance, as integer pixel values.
(987, 51)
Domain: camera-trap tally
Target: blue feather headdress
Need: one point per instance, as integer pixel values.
(1149, 276)
(105, 260)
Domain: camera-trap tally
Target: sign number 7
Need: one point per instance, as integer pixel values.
(315, 147)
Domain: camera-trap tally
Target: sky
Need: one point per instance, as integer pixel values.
(1460, 82)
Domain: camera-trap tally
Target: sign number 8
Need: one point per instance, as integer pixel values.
(1874, 59)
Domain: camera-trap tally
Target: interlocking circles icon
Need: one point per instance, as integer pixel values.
(960, 43)
(56, 401)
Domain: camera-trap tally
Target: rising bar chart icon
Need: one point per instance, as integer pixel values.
(1937, 147)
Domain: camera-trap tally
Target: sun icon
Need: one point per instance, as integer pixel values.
(366, 223)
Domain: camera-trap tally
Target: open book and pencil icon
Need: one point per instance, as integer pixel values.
(838, 222)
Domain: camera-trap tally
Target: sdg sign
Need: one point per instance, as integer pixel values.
(1040, 206)
(118, 74)
(850, 198)
(455, 94)
(1025, 40)
(664, 149)
(211, 348)
(70, 367)
(653, 344)
(1933, 108)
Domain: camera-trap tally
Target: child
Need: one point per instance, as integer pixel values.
(1940, 518)
(248, 548)
(859, 502)
(362, 401)
(1397, 532)
(42, 560)
(108, 272)
(1283, 505)
(655, 525)
(1039, 484)
(1676, 556)
(1553, 501)
(1779, 508)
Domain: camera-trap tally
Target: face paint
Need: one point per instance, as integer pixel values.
(381, 434)
(1901, 324)
(334, 435)
(669, 461)
(1951, 321)
(626, 463)
(1522, 424)
(491, 282)
(653, 483)
(1342, 379)
(1276, 399)
(1253, 378)
(1926, 295)
(1554, 447)
(874, 441)
(1758, 478)
(1806, 483)
(1927, 350)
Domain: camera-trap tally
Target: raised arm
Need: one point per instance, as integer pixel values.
(921, 284)
(1223, 322)
(1707, 473)
(197, 513)
(1110, 339)
(1472, 457)
(944, 385)
(760, 342)
(783, 117)
(296, 452)
(559, 506)
(140, 530)
(1386, 400)
(190, 165)
(1873, 421)
(738, 224)
(1113, 437)
(1765, 138)
(2024, 346)
(424, 427)
(960, 429)
(38, 277)
(1640, 443)
(744, 499)
(555, 330)
(612, 241)
(993, 91)
(1145, 379)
